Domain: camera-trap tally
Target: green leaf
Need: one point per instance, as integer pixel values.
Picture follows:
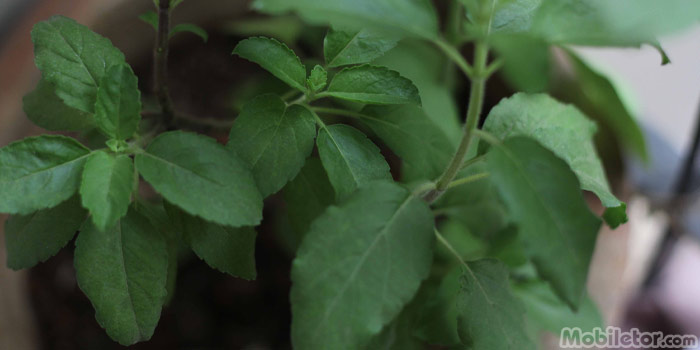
(565, 131)
(489, 315)
(397, 17)
(308, 195)
(437, 323)
(342, 48)
(317, 79)
(548, 313)
(350, 158)
(48, 111)
(276, 58)
(189, 28)
(202, 177)
(150, 17)
(373, 85)
(596, 92)
(381, 236)
(39, 172)
(74, 59)
(229, 250)
(413, 136)
(123, 272)
(118, 106)
(108, 181)
(31, 239)
(273, 139)
(526, 59)
(544, 200)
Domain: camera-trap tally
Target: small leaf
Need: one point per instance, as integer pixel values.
(31, 239)
(490, 317)
(150, 17)
(48, 111)
(544, 200)
(350, 158)
(308, 195)
(123, 272)
(413, 136)
(74, 59)
(342, 48)
(273, 139)
(191, 28)
(229, 250)
(373, 85)
(276, 58)
(118, 106)
(39, 172)
(318, 79)
(108, 181)
(415, 18)
(566, 132)
(381, 236)
(202, 177)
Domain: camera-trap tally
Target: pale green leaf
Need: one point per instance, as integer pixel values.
(489, 316)
(565, 131)
(48, 111)
(106, 187)
(556, 227)
(118, 106)
(342, 48)
(276, 58)
(227, 249)
(413, 136)
(380, 237)
(308, 195)
(73, 59)
(123, 272)
(189, 28)
(397, 17)
(202, 177)
(350, 158)
(317, 79)
(31, 239)
(39, 172)
(273, 139)
(373, 85)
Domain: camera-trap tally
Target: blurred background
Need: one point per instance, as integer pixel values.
(644, 274)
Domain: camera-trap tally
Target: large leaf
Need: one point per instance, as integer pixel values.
(39, 172)
(566, 132)
(276, 58)
(308, 195)
(108, 181)
(397, 17)
(118, 106)
(490, 317)
(413, 136)
(74, 59)
(274, 139)
(380, 237)
(556, 227)
(341, 48)
(373, 85)
(350, 158)
(31, 239)
(227, 249)
(123, 272)
(202, 177)
(48, 111)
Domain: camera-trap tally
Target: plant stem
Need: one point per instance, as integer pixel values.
(160, 63)
(450, 248)
(476, 101)
(453, 54)
(468, 179)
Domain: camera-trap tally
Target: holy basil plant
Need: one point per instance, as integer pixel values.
(478, 238)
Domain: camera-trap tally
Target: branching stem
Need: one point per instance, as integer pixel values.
(160, 64)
